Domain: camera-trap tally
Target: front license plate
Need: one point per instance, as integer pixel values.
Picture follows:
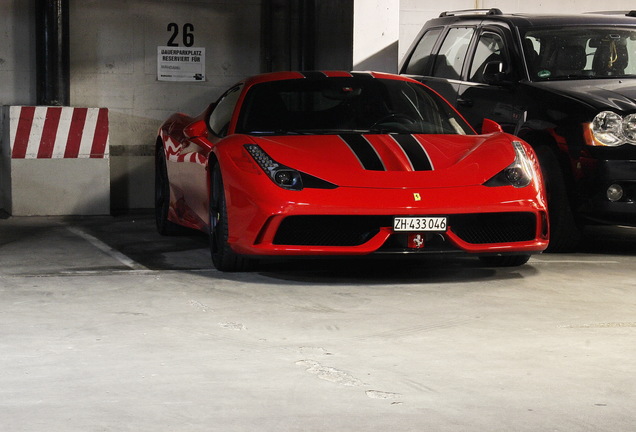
(420, 223)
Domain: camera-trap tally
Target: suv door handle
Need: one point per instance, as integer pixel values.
(464, 102)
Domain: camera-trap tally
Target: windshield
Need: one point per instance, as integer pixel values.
(337, 105)
(580, 52)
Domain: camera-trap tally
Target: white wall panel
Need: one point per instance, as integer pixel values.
(376, 34)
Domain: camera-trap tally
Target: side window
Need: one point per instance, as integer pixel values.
(452, 53)
(418, 63)
(490, 48)
(222, 114)
(631, 49)
(532, 46)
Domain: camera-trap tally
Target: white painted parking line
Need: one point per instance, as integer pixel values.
(107, 249)
(538, 261)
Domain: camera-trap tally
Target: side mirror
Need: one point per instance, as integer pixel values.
(196, 129)
(493, 72)
(489, 126)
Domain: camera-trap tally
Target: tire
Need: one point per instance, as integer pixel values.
(565, 233)
(162, 196)
(223, 257)
(504, 260)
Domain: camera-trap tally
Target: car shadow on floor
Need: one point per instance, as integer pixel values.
(379, 270)
(136, 237)
(609, 240)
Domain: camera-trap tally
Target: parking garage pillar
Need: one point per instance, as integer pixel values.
(54, 158)
(52, 52)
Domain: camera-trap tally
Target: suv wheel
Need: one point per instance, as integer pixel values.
(565, 233)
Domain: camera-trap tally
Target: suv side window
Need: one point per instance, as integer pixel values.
(452, 53)
(418, 63)
(490, 48)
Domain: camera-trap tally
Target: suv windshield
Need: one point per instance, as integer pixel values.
(580, 52)
(337, 105)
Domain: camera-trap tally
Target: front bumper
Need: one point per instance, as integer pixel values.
(598, 207)
(358, 221)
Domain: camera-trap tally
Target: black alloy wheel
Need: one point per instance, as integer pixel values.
(223, 257)
(162, 196)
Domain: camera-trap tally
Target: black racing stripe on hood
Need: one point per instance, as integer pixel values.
(364, 151)
(414, 151)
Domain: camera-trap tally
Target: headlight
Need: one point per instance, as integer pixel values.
(518, 174)
(283, 176)
(610, 129)
(629, 128)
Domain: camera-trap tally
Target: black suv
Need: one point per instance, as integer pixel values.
(564, 83)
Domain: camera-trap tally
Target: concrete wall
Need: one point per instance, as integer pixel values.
(17, 71)
(414, 13)
(5, 162)
(114, 64)
(17, 44)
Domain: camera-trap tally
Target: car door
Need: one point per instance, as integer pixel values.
(489, 89)
(202, 135)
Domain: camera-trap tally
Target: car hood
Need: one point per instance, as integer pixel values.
(393, 160)
(617, 94)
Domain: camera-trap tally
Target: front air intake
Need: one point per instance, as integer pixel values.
(481, 228)
(329, 230)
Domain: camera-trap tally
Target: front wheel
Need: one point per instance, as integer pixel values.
(223, 257)
(162, 196)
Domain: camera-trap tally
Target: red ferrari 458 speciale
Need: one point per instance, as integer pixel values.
(346, 163)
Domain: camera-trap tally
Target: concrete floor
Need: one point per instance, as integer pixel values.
(106, 326)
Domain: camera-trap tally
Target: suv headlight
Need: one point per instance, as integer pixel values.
(518, 174)
(611, 129)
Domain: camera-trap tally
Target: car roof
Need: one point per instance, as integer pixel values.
(612, 18)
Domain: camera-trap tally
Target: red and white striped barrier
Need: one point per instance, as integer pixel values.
(58, 132)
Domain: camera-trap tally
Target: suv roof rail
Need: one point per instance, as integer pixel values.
(491, 11)
(631, 13)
